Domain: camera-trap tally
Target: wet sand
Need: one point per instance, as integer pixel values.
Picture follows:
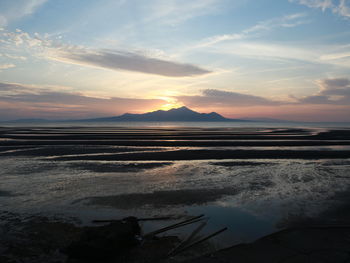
(171, 144)
(145, 171)
(215, 154)
(304, 244)
(162, 198)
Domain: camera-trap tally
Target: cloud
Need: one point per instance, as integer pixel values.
(120, 60)
(13, 57)
(174, 12)
(339, 8)
(335, 91)
(287, 21)
(343, 9)
(322, 54)
(332, 91)
(6, 66)
(30, 101)
(243, 44)
(43, 47)
(13, 10)
(220, 98)
(322, 4)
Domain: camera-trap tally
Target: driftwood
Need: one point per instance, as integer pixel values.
(138, 219)
(189, 239)
(154, 218)
(182, 223)
(199, 241)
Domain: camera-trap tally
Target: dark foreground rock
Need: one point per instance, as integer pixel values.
(28, 238)
(105, 243)
(36, 239)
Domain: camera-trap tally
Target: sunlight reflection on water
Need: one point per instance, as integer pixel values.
(266, 193)
(252, 197)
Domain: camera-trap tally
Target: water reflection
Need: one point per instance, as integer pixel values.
(250, 196)
(242, 226)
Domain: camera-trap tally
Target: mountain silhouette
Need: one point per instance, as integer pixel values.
(178, 114)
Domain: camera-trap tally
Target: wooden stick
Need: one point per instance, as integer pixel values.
(189, 238)
(139, 219)
(182, 223)
(105, 221)
(154, 218)
(173, 227)
(200, 241)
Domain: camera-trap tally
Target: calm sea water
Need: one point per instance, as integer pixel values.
(184, 124)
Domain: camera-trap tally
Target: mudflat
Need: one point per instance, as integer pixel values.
(255, 181)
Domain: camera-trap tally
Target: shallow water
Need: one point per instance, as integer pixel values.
(253, 197)
(264, 195)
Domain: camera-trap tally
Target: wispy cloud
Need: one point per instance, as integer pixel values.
(335, 91)
(13, 10)
(224, 99)
(343, 9)
(338, 7)
(173, 12)
(31, 101)
(120, 60)
(44, 47)
(322, 54)
(322, 4)
(6, 66)
(10, 56)
(286, 21)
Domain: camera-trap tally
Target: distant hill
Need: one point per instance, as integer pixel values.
(179, 114)
(182, 114)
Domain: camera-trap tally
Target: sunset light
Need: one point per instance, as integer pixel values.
(171, 103)
(269, 59)
(174, 131)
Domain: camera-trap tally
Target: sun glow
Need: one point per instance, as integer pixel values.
(171, 103)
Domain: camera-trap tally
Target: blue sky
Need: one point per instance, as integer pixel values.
(286, 59)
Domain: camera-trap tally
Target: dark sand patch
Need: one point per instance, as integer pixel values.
(116, 167)
(162, 198)
(232, 164)
(180, 134)
(296, 245)
(172, 143)
(72, 150)
(216, 154)
(7, 194)
(34, 240)
(290, 130)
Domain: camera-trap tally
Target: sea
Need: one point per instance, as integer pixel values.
(234, 124)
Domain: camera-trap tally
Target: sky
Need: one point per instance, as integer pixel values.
(285, 59)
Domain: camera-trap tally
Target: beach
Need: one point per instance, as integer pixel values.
(253, 180)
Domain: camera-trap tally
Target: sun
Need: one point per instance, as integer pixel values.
(171, 103)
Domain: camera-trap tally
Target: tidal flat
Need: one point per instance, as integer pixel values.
(255, 181)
